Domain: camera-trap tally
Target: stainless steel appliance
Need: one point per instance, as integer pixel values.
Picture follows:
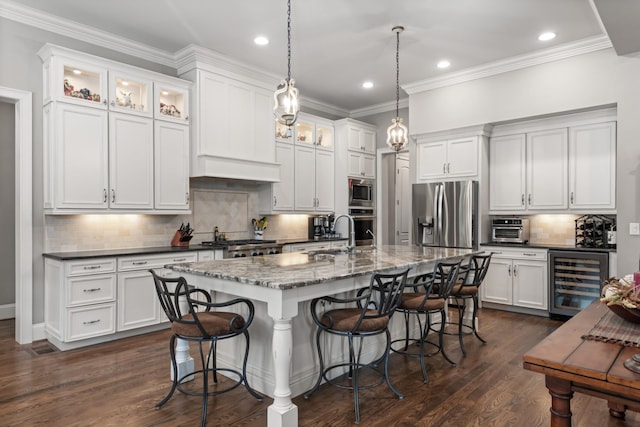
(510, 230)
(245, 248)
(445, 214)
(320, 227)
(575, 280)
(364, 221)
(361, 192)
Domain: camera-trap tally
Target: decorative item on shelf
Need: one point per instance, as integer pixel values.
(286, 97)
(259, 226)
(397, 133)
(169, 110)
(182, 236)
(83, 93)
(593, 231)
(125, 101)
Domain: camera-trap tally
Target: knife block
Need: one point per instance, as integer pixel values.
(176, 241)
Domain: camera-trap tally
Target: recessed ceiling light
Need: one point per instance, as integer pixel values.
(367, 85)
(77, 72)
(261, 40)
(444, 64)
(547, 36)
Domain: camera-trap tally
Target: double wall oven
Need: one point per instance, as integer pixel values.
(362, 209)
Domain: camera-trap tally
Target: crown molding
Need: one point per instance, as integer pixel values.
(28, 16)
(379, 108)
(511, 64)
(314, 104)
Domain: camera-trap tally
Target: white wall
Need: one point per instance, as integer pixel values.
(585, 81)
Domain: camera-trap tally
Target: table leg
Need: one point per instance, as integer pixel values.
(561, 394)
(617, 410)
(282, 413)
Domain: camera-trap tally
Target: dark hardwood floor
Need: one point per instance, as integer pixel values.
(118, 384)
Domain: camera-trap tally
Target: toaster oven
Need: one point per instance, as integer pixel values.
(510, 230)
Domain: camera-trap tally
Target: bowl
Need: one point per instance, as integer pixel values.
(629, 314)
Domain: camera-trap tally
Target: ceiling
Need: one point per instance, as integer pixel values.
(338, 44)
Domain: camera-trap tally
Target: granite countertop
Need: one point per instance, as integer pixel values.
(307, 240)
(292, 270)
(552, 246)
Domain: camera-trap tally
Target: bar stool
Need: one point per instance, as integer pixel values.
(203, 325)
(427, 295)
(375, 306)
(473, 275)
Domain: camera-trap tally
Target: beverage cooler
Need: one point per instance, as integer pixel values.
(575, 280)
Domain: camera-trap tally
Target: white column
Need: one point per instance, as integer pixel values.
(282, 413)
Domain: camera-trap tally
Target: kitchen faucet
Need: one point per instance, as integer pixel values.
(352, 231)
(373, 243)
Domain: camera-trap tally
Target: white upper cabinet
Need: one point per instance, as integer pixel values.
(99, 135)
(282, 196)
(547, 169)
(171, 166)
(310, 130)
(233, 128)
(592, 166)
(507, 175)
(448, 159)
(564, 169)
(357, 140)
(361, 138)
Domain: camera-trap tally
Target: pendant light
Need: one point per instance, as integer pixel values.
(397, 134)
(286, 105)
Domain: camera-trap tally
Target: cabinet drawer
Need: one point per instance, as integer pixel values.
(91, 289)
(91, 321)
(93, 266)
(532, 254)
(154, 261)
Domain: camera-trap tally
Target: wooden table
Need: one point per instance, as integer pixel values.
(572, 364)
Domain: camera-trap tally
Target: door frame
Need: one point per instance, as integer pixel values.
(380, 153)
(23, 210)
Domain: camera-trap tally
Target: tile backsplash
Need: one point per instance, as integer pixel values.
(552, 229)
(229, 205)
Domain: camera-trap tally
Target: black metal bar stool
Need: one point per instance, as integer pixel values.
(472, 276)
(374, 307)
(202, 325)
(427, 295)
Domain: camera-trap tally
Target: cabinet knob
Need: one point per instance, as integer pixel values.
(186, 118)
(104, 101)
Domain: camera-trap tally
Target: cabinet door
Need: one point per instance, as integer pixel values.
(462, 157)
(138, 303)
(283, 191)
(305, 173)
(77, 82)
(305, 131)
(507, 172)
(354, 164)
(432, 160)
(171, 103)
(592, 166)
(130, 93)
(547, 161)
(324, 135)
(368, 140)
(171, 166)
(497, 285)
(81, 153)
(325, 180)
(368, 165)
(130, 161)
(353, 139)
(530, 287)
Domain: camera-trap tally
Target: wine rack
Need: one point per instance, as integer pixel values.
(591, 231)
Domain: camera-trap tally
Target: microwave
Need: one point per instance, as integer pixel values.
(361, 192)
(510, 230)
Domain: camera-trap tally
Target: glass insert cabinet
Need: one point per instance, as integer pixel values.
(576, 280)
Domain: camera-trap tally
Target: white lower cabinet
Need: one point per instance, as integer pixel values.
(517, 278)
(92, 300)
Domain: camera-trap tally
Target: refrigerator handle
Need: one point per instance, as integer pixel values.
(440, 206)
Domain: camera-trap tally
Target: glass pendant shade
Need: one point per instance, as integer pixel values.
(286, 105)
(397, 134)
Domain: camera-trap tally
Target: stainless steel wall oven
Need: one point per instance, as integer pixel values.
(364, 221)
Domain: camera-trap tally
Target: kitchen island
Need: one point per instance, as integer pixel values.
(281, 287)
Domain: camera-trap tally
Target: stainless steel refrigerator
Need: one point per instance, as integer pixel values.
(445, 214)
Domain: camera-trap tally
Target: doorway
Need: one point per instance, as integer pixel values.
(23, 215)
(7, 212)
(394, 197)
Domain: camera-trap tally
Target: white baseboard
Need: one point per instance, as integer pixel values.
(38, 332)
(7, 311)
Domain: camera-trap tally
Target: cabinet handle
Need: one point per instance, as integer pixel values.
(91, 267)
(444, 168)
(448, 167)
(90, 322)
(362, 173)
(179, 259)
(113, 103)
(186, 201)
(571, 198)
(509, 270)
(522, 199)
(529, 254)
(275, 201)
(139, 262)
(186, 118)
(104, 101)
(91, 290)
(362, 148)
(529, 198)
(113, 195)
(104, 195)
(515, 271)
